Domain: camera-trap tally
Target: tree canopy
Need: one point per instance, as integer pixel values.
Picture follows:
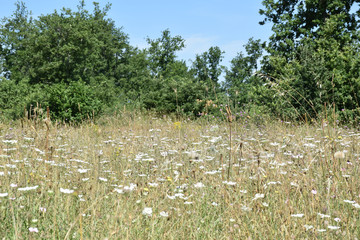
(81, 65)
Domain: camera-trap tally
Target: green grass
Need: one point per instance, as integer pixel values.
(116, 169)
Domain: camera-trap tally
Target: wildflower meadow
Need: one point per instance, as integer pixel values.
(145, 177)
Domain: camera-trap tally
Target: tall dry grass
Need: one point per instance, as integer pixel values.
(143, 177)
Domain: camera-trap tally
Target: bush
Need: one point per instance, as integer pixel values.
(74, 102)
(67, 102)
(13, 98)
(177, 95)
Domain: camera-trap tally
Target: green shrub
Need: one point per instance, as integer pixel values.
(73, 102)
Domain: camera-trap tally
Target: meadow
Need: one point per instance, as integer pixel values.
(147, 177)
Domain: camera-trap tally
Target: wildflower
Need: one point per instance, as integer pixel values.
(258, 195)
(28, 139)
(215, 139)
(229, 183)
(356, 205)
(164, 214)
(33, 229)
(10, 165)
(294, 184)
(130, 188)
(13, 185)
(39, 151)
(177, 125)
(323, 215)
(270, 183)
(153, 184)
(28, 188)
(194, 155)
(273, 183)
(314, 191)
(42, 209)
(333, 227)
(10, 141)
(245, 208)
(82, 170)
(171, 197)
(119, 191)
(147, 211)
(339, 155)
(199, 185)
(4, 194)
(308, 227)
(337, 219)
(67, 191)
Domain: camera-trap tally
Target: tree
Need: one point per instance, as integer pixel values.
(312, 54)
(66, 46)
(207, 69)
(15, 34)
(241, 82)
(73, 46)
(62, 49)
(298, 19)
(243, 67)
(215, 56)
(162, 52)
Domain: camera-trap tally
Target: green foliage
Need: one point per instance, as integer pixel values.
(11, 98)
(81, 65)
(67, 102)
(177, 95)
(75, 45)
(15, 34)
(71, 58)
(313, 55)
(297, 20)
(206, 68)
(74, 102)
(162, 53)
(322, 73)
(245, 87)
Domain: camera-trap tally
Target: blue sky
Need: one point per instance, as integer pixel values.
(202, 23)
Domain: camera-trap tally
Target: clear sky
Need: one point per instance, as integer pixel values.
(227, 24)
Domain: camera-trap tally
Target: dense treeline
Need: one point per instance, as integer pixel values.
(81, 65)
